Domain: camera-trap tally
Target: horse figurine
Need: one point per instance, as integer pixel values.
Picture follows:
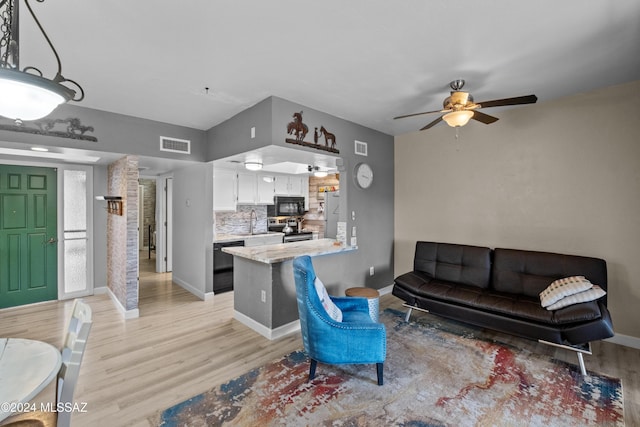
(328, 136)
(298, 127)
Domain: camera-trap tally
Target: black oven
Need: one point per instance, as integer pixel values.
(286, 206)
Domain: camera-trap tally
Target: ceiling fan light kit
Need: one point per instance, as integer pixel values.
(459, 107)
(458, 118)
(26, 94)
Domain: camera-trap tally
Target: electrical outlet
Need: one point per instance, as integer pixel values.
(263, 296)
(372, 271)
(353, 231)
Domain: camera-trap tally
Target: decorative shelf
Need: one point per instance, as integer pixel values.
(114, 207)
(114, 204)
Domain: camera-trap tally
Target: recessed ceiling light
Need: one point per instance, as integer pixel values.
(253, 166)
(40, 149)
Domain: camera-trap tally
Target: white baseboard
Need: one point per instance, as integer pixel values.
(127, 314)
(625, 340)
(101, 290)
(271, 334)
(188, 287)
(385, 290)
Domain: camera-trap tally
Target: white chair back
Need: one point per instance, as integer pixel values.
(72, 353)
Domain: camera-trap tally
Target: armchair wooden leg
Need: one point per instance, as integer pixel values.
(312, 369)
(379, 368)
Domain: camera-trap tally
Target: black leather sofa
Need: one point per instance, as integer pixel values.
(499, 289)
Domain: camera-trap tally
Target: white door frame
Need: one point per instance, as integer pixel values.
(164, 223)
(141, 217)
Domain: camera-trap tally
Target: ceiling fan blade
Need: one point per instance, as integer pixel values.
(518, 100)
(418, 114)
(433, 123)
(484, 118)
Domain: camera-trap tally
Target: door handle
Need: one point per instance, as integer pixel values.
(51, 241)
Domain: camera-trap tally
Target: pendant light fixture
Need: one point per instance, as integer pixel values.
(26, 93)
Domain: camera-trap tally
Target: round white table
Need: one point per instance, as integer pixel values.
(26, 368)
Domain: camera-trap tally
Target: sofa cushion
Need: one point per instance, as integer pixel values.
(589, 295)
(469, 265)
(529, 272)
(564, 287)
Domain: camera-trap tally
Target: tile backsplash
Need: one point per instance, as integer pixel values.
(238, 222)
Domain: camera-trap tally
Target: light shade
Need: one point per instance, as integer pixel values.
(29, 97)
(253, 166)
(458, 118)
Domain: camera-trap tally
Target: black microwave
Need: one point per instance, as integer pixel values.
(286, 206)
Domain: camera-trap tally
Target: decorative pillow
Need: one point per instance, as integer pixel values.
(563, 287)
(589, 295)
(332, 310)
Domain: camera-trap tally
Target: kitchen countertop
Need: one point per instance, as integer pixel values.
(223, 238)
(270, 254)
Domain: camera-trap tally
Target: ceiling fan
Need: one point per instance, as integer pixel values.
(460, 108)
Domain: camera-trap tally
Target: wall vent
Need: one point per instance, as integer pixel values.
(175, 145)
(361, 148)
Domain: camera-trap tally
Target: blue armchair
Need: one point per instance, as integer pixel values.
(355, 340)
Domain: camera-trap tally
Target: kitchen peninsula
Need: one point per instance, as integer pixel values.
(264, 290)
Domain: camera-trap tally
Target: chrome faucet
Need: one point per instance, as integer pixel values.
(251, 216)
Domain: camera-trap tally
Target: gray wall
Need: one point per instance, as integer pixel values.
(233, 136)
(117, 133)
(559, 176)
(373, 207)
(193, 228)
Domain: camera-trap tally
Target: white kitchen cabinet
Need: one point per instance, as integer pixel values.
(265, 188)
(296, 185)
(246, 188)
(281, 185)
(292, 185)
(224, 189)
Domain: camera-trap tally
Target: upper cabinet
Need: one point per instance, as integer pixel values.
(265, 188)
(291, 185)
(247, 188)
(224, 189)
(233, 188)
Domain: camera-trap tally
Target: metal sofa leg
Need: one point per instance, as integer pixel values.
(581, 361)
(579, 349)
(406, 316)
(312, 369)
(379, 369)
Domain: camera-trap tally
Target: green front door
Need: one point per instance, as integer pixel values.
(28, 235)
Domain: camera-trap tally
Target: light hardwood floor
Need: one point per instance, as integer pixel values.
(181, 346)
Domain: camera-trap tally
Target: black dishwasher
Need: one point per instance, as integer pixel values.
(223, 266)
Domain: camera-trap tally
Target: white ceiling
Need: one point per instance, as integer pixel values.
(362, 60)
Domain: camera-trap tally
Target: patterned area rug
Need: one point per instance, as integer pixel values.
(436, 374)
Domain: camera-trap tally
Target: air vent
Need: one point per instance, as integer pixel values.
(175, 145)
(361, 148)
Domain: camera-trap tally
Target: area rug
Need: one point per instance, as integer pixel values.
(437, 373)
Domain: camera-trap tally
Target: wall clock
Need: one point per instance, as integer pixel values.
(363, 175)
